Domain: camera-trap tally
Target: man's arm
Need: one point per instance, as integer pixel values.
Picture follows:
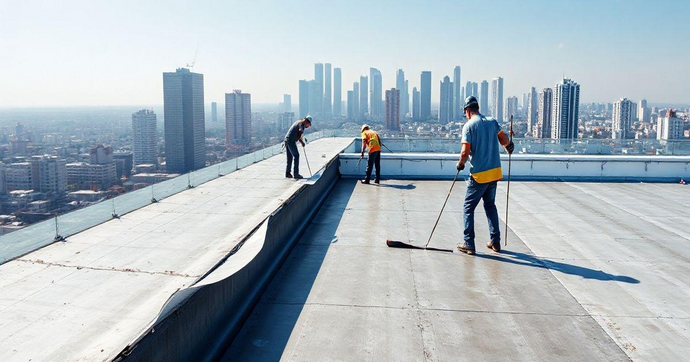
(464, 155)
(364, 147)
(506, 142)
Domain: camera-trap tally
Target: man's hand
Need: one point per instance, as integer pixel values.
(460, 166)
(302, 142)
(510, 147)
(361, 155)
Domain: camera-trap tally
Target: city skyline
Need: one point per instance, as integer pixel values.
(588, 55)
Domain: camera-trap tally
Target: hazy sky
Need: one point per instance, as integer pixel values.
(68, 53)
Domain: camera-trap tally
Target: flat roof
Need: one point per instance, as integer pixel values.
(87, 298)
(592, 271)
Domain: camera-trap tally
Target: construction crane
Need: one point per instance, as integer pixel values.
(191, 65)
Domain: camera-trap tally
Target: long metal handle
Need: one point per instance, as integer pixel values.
(307, 159)
(443, 207)
(510, 155)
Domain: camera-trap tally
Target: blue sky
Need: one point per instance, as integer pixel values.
(66, 53)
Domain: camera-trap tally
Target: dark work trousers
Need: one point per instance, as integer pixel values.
(374, 160)
(292, 153)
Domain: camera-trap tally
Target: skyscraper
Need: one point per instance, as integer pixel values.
(544, 114)
(643, 113)
(669, 127)
(214, 112)
(406, 100)
(566, 110)
(183, 112)
(425, 100)
(351, 115)
(327, 105)
(238, 118)
(287, 103)
(497, 98)
(532, 110)
(483, 96)
(376, 95)
(511, 108)
(285, 120)
(401, 85)
(144, 137)
(303, 98)
(416, 104)
(445, 112)
(393, 110)
(363, 97)
(457, 94)
(337, 92)
(357, 111)
(317, 98)
(623, 114)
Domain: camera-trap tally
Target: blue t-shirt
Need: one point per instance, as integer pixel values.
(482, 135)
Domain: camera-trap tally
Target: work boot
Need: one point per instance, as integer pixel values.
(298, 176)
(288, 175)
(365, 181)
(377, 181)
(465, 248)
(495, 246)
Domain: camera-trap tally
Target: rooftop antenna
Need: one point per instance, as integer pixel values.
(191, 65)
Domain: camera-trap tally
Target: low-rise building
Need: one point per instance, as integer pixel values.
(89, 175)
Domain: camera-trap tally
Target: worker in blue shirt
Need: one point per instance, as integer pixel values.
(480, 144)
(293, 135)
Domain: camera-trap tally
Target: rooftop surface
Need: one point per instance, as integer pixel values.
(87, 298)
(592, 271)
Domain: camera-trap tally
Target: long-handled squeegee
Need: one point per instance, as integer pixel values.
(400, 244)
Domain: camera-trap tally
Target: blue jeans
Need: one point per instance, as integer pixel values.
(476, 192)
(292, 153)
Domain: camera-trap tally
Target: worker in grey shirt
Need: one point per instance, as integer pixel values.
(293, 135)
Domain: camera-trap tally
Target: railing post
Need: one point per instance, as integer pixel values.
(58, 237)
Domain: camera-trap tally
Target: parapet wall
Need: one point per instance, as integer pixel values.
(594, 168)
(199, 323)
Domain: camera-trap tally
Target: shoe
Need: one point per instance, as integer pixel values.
(366, 182)
(494, 246)
(466, 249)
(377, 182)
(288, 175)
(298, 176)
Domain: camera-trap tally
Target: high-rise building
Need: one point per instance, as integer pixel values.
(401, 85)
(511, 108)
(214, 112)
(483, 95)
(457, 94)
(183, 104)
(643, 113)
(145, 137)
(445, 112)
(317, 99)
(566, 110)
(669, 127)
(351, 115)
(287, 103)
(355, 105)
(416, 104)
(497, 99)
(238, 118)
(327, 105)
(425, 100)
(544, 114)
(363, 96)
(48, 174)
(532, 110)
(376, 94)
(18, 176)
(393, 110)
(337, 92)
(285, 120)
(623, 114)
(303, 98)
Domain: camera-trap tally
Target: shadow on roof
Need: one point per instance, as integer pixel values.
(530, 260)
(400, 187)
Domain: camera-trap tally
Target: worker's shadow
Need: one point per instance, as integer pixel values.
(514, 257)
(399, 187)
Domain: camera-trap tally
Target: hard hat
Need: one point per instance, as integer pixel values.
(470, 101)
(308, 118)
(364, 127)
